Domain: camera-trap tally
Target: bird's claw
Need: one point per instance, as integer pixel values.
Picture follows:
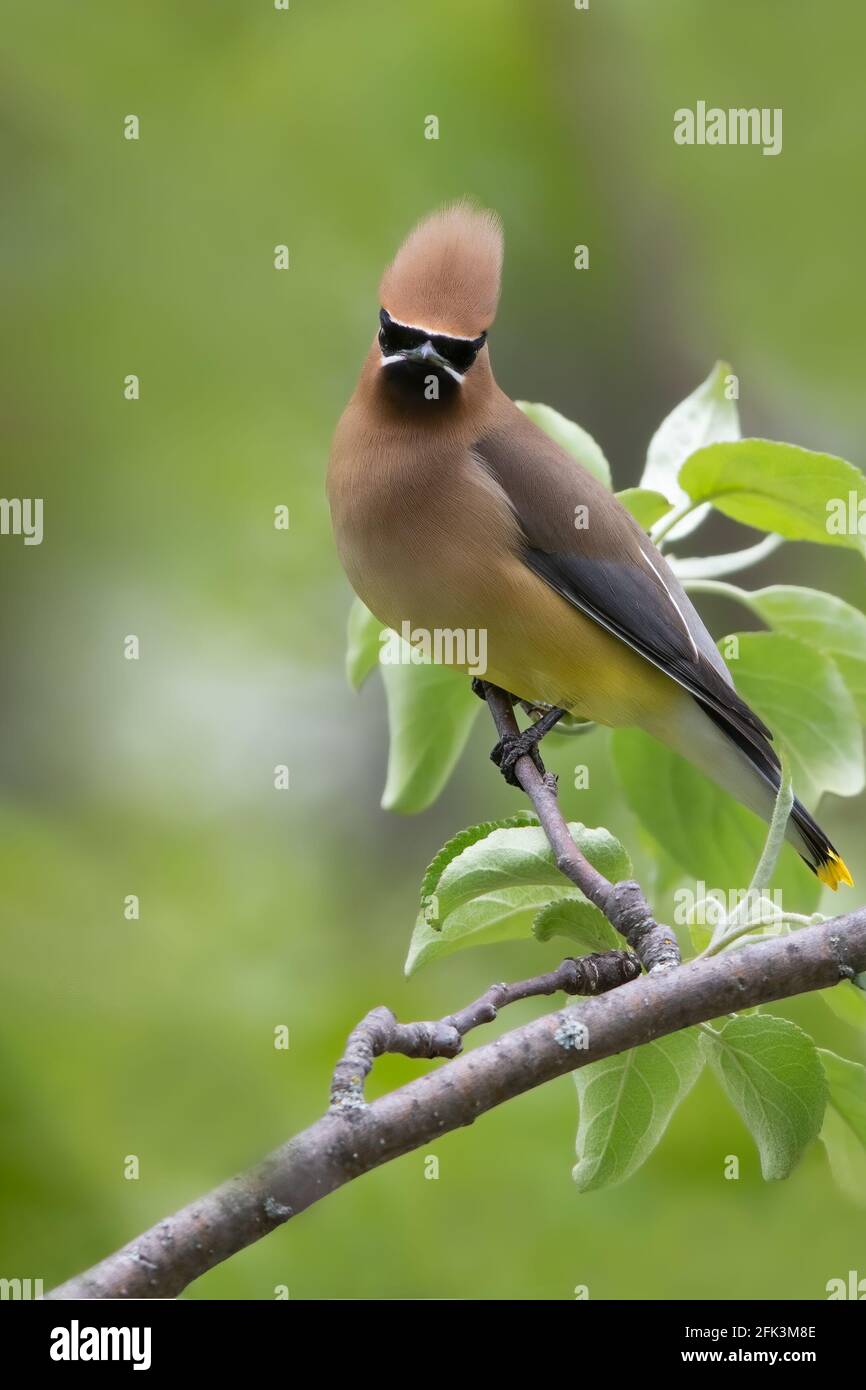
(512, 747)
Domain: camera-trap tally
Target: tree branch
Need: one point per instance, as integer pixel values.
(350, 1141)
(623, 904)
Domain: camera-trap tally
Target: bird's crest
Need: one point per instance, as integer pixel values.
(445, 277)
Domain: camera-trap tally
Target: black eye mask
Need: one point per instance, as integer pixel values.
(398, 337)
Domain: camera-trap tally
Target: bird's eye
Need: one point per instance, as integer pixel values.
(397, 337)
(460, 352)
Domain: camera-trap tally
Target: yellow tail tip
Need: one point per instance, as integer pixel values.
(834, 871)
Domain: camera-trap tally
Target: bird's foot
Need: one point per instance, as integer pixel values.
(514, 746)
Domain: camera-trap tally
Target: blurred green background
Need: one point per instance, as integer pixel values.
(155, 777)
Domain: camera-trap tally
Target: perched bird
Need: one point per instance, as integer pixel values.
(453, 511)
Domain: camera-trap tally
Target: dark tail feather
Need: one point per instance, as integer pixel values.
(815, 848)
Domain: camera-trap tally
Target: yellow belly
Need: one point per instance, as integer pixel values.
(533, 643)
(549, 651)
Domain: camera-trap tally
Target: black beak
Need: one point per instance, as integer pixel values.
(424, 355)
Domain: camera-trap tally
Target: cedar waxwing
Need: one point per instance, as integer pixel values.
(452, 511)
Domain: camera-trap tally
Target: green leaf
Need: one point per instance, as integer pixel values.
(847, 1090)
(489, 883)
(846, 1156)
(778, 487)
(502, 916)
(646, 506)
(580, 922)
(626, 1103)
(836, 628)
(710, 835)
(847, 1002)
(844, 1130)
(772, 1074)
(431, 710)
(804, 700)
(704, 417)
(570, 437)
(521, 857)
(462, 840)
(362, 644)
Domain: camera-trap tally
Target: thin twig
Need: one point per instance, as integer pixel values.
(623, 904)
(380, 1032)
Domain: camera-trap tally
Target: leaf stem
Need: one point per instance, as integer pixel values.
(764, 870)
(718, 943)
(783, 919)
(673, 518)
(711, 566)
(723, 590)
(766, 866)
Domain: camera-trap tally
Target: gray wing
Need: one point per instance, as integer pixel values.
(609, 568)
